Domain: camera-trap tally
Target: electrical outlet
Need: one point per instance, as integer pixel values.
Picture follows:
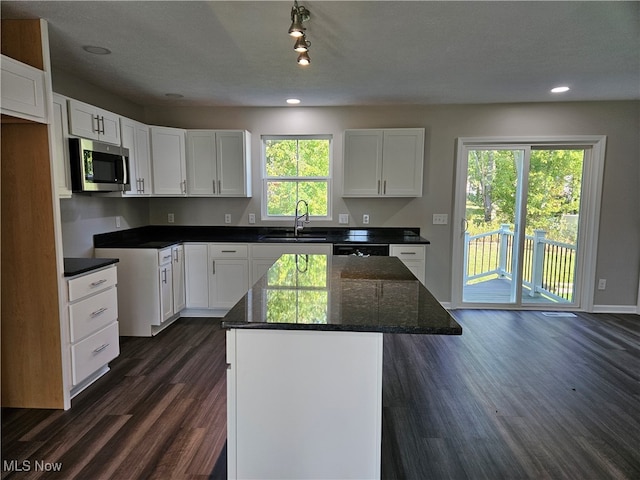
(117, 221)
(227, 218)
(365, 219)
(252, 218)
(602, 284)
(343, 218)
(170, 217)
(440, 218)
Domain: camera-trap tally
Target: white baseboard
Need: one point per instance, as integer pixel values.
(615, 309)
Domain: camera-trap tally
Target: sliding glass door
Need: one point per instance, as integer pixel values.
(520, 221)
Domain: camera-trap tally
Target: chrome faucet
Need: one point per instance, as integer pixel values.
(298, 222)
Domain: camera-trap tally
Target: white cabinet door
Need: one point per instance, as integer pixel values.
(168, 161)
(91, 122)
(218, 163)
(61, 147)
(362, 163)
(166, 292)
(233, 163)
(402, 164)
(135, 137)
(383, 163)
(22, 90)
(228, 274)
(201, 163)
(179, 293)
(196, 263)
(413, 256)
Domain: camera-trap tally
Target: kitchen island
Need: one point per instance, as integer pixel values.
(304, 355)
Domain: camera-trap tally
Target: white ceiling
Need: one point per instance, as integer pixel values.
(238, 53)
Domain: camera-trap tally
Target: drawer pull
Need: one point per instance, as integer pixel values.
(407, 253)
(98, 283)
(228, 251)
(101, 348)
(166, 257)
(99, 312)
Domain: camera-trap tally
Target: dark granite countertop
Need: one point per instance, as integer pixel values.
(320, 292)
(160, 236)
(76, 266)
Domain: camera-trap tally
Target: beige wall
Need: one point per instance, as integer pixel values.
(619, 244)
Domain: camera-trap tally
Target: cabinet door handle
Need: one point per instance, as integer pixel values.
(98, 312)
(164, 275)
(384, 189)
(101, 347)
(142, 184)
(97, 127)
(378, 187)
(213, 266)
(214, 186)
(219, 187)
(97, 283)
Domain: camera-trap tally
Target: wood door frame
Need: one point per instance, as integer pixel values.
(591, 198)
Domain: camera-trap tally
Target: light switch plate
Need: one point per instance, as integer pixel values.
(440, 218)
(343, 218)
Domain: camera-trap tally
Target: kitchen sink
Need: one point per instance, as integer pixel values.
(286, 238)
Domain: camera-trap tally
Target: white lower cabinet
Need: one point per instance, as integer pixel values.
(146, 299)
(217, 274)
(323, 394)
(93, 325)
(413, 256)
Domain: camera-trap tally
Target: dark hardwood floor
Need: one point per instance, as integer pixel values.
(518, 395)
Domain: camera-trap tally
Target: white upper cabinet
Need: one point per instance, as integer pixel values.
(383, 162)
(135, 137)
(91, 122)
(219, 163)
(23, 90)
(168, 161)
(60, 142)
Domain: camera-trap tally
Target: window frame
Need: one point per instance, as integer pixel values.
(265, 179)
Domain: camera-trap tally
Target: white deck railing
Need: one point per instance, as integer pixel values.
(548, 266)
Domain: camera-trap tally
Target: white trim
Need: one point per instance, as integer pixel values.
(590, 210)
(614, 309)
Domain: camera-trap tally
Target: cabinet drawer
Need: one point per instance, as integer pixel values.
(407, 252)
(93, 313)
(228, 250)
(165, 256)
(92, 283)
(94, 352)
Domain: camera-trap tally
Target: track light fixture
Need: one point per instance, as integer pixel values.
(300, 14)
(302, 45)
(303, 59)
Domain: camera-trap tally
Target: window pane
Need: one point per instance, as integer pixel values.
(281, 158)
(316, 195)
(281, 198)
(314, 158)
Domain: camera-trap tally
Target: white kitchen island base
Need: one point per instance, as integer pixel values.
(303, 404)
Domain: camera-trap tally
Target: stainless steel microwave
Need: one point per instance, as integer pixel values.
(98, 167)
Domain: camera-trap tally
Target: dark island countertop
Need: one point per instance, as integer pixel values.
(161, 236)
(343, 293)
(76, 266)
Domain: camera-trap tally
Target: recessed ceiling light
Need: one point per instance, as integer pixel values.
(96, 50)
(293, 101)
(561, 89)
(173, 95)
